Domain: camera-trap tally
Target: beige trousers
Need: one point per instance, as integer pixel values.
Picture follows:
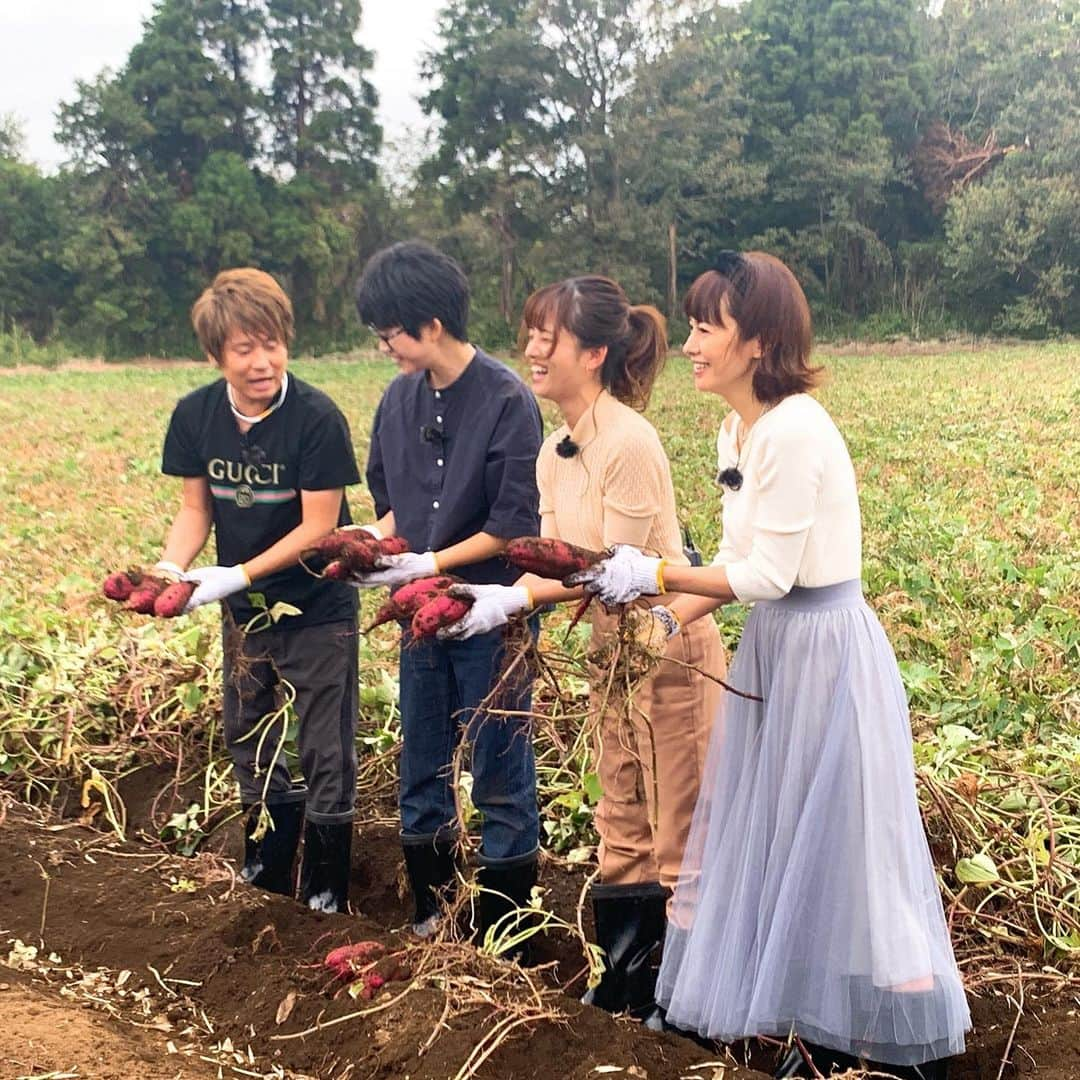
(650, 758)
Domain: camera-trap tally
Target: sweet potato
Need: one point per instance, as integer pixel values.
(372, 983)
(409, 599)
(549, 558)
(443, 611)
(173, 599)
(356, 549)
(334, 545)
(145, 594)
(347, 959)
(363, 558)
(121, 584)
(338, 570)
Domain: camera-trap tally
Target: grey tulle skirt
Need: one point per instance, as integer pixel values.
(807, 900)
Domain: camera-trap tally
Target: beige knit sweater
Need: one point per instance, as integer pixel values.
(616, 490)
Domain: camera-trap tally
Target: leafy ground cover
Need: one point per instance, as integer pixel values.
(968, 463)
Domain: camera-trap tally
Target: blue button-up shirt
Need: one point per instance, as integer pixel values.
(457, 461)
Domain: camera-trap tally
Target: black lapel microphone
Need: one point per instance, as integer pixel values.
(429, 433)
(730, 478)
(566, 447)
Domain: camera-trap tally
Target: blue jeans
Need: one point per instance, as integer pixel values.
(442, 683)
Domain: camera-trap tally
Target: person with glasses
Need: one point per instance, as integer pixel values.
(265, 459)
(807, 900)
(452, 470)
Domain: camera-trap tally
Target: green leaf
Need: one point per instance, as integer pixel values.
(594, 790)
(1014, 802)
(978, 870)
(191, 695)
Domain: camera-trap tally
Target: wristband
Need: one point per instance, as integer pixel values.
(244, 571)
(660, 575)
(667, 619)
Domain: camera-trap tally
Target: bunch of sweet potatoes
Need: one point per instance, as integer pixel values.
(348, 551)
(424, 603)
(148, 594)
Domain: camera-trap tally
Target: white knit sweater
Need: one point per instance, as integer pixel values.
(795, 520)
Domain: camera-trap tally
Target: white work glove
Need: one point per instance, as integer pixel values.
(215, 583)
(493, 606)
(624, 576)
(170, 571)
(374, 530)
(395, 570)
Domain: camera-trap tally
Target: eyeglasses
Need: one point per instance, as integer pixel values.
(387, 339)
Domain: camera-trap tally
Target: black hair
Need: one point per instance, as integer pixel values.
(408, 285)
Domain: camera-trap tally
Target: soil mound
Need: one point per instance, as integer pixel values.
(220, 976)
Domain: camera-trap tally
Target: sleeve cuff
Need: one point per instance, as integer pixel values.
(748, 585)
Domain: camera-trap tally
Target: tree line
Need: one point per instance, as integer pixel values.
(917, 168)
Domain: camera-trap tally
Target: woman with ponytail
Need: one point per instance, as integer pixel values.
(604, 479)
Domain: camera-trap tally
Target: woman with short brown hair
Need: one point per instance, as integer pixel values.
(808, 901)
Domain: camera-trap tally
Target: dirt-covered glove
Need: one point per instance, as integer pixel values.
(492, 606)
(371, 530)
(650, 640)
(215, 583)
(395, 570)
(169, 571)
(624, 576)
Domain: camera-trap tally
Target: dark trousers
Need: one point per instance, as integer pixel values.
(316, 668)
(441, 685)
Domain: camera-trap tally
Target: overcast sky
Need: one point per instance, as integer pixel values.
(45, 45)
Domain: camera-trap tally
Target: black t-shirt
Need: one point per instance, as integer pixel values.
(255, 483)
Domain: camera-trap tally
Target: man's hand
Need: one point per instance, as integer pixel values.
(215, 583)
(624, 576)
(492, 607)
(395, 570)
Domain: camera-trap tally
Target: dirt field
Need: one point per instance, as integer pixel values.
(156, 966)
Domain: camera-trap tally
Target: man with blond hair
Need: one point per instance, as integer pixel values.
(265, 459)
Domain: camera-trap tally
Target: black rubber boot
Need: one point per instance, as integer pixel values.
(826, 1062)
(506, 884)
(430, 866)
(630, 925)
(324, 871)
(268, 863)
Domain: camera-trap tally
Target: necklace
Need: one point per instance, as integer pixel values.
(266, 412)
(732, 476)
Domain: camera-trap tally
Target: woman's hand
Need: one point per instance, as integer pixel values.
(624, 576)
